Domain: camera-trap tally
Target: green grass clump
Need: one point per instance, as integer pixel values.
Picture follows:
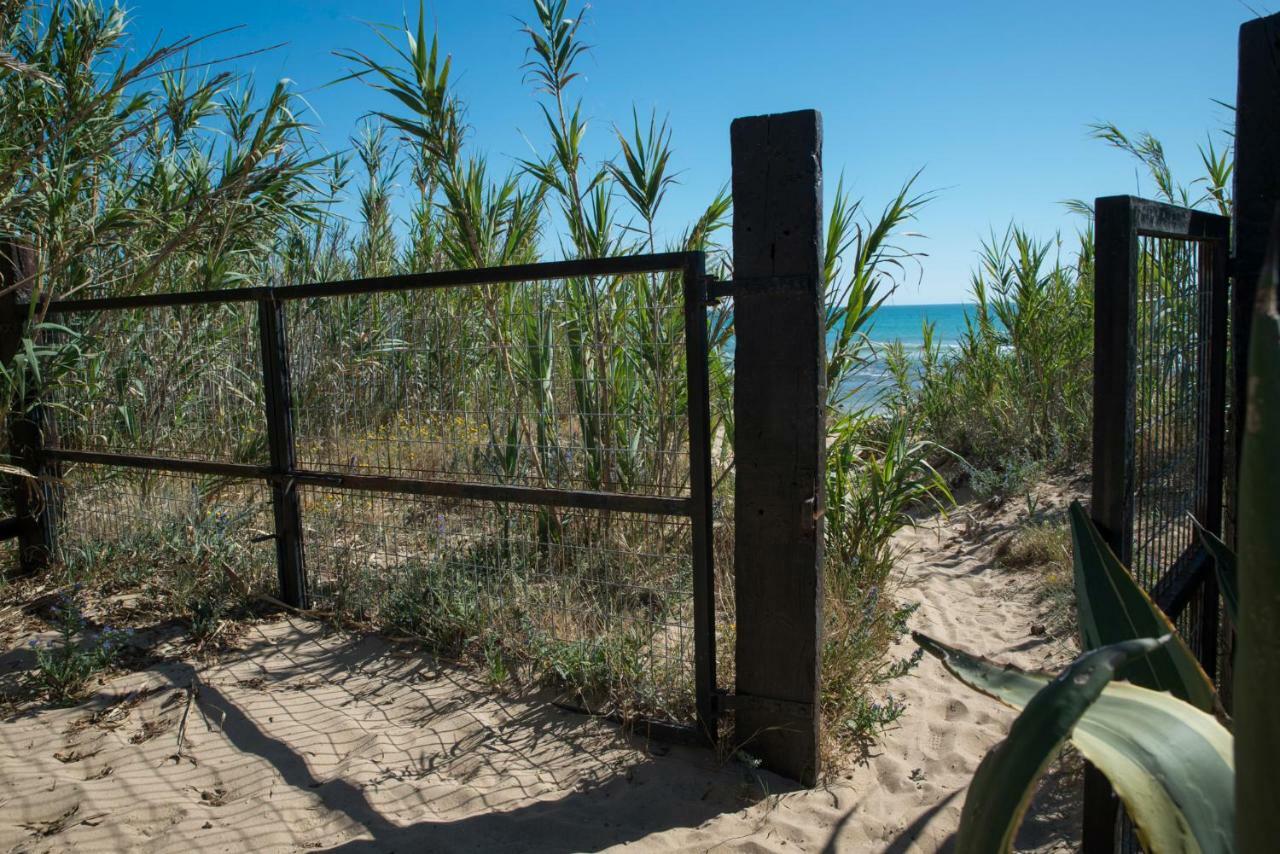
(1043, 547)
(65, 665)
(874, 489)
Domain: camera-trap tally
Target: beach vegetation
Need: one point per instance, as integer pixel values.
(129, 172)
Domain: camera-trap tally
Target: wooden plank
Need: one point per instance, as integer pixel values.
(1114, 371)
(1114, 374)
(779, 400)
(1256, 194)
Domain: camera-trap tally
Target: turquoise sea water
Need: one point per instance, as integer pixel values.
(905, 323)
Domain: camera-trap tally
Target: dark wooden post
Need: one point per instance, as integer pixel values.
(1257, 191)
(779, 436)
(1114, 378)
(28, 423)
(284, 490)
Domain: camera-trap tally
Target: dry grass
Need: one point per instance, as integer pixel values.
(1043, 548)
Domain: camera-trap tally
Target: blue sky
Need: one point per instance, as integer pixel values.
(992, 99)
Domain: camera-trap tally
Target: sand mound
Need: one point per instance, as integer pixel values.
(305, 739)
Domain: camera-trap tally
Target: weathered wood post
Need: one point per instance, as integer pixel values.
(779, 436)
(1256, 196)
(1111, 505)
(27, 422)
(1256, 193)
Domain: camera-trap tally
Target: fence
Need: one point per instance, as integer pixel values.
(1161, 304)
(447, 449)
(466, 452)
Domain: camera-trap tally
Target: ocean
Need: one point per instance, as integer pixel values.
(905, 323)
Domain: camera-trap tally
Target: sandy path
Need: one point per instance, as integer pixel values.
(306, 739)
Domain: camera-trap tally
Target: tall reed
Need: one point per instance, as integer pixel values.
(130, 175)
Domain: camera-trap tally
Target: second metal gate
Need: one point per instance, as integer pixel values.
(1160, 358)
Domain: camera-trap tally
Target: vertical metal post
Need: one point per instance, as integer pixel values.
(1114, 377)
(284, 490)
(779, 438)
(699, 395)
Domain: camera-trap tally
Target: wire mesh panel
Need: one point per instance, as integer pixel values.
(571, 384)
(511, 463)
(180, 382)
(1159, 413)
(603, 600)
(1172, 414)
(165, 528)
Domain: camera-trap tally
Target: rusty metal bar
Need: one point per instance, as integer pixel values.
(500, 493)
(545, 271)
(144, 461)
(704, 606)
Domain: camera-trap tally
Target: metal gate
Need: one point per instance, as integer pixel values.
(491, 490)
(1161, 301)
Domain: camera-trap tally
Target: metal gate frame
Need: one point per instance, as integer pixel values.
(1121, 222)
(37, 535)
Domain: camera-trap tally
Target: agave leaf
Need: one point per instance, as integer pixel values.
(1113, 608)
(1170, 763)
(1257, 701)
(1224, 562)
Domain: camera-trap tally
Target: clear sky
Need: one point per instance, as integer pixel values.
(991, 98)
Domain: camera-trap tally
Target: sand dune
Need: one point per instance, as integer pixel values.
(304, 739)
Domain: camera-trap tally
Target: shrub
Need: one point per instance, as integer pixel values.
(1017, 389)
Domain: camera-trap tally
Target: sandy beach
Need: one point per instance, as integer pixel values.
(301, 737)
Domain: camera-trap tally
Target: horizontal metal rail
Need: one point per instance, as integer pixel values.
(545, 271)
(501, 493)
(1174, 590)
(143, 461)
